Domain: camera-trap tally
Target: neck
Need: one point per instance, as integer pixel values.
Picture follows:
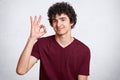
(64, 40)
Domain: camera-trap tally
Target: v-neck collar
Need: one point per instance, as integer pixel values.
(60, 45)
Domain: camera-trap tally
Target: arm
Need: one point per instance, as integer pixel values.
(85, 67)
(26, 61)
(82, 77)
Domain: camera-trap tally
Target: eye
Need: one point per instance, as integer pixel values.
(54, 20)
(62, 19)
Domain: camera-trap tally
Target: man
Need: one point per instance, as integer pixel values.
(62, 56)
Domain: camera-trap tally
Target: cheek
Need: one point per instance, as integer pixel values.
(53, 25)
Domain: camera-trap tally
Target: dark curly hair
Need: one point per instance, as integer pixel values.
(59, 8)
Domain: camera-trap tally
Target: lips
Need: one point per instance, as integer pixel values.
(60, 28)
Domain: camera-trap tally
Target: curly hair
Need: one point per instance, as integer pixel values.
(59, 8)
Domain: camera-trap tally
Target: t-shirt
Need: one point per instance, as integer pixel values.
(58, 63)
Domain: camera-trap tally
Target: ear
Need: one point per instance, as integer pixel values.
(71, 24)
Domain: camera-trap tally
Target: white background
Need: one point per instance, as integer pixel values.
(98, 26)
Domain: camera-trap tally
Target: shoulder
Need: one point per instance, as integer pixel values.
(45, 40)
(82, 47)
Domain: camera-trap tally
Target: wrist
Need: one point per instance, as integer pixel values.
(32, 40)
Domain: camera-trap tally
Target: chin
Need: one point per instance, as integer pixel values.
(60, 34)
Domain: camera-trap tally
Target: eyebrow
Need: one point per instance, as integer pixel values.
(62, 18)
(59, 18)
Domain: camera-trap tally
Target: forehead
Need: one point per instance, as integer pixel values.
(57, 16)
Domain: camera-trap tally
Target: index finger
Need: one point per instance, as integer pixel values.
(31, 20)
(39, 19)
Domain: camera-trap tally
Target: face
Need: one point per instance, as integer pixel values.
(61, 24)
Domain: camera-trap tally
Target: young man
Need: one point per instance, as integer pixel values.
(62, 56)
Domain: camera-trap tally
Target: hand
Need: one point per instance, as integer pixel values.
(37, 30)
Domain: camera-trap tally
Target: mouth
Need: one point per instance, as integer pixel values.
(60, 28)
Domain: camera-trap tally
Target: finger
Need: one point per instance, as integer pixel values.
(39, 19)
(45, 30)
(31, 20)
(42, 28)
(35, 18)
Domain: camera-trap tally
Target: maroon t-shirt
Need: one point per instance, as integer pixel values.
(58, 63)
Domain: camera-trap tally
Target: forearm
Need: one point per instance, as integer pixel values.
(23, 63)
(26, 61)
(82, 77)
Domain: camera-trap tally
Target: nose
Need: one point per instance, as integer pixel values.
(58, 23)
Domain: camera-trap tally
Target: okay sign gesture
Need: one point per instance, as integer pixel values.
(37, 29)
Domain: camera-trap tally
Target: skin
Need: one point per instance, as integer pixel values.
(62, 27)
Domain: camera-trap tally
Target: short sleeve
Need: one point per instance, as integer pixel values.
(85, 66)
(35, 51)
